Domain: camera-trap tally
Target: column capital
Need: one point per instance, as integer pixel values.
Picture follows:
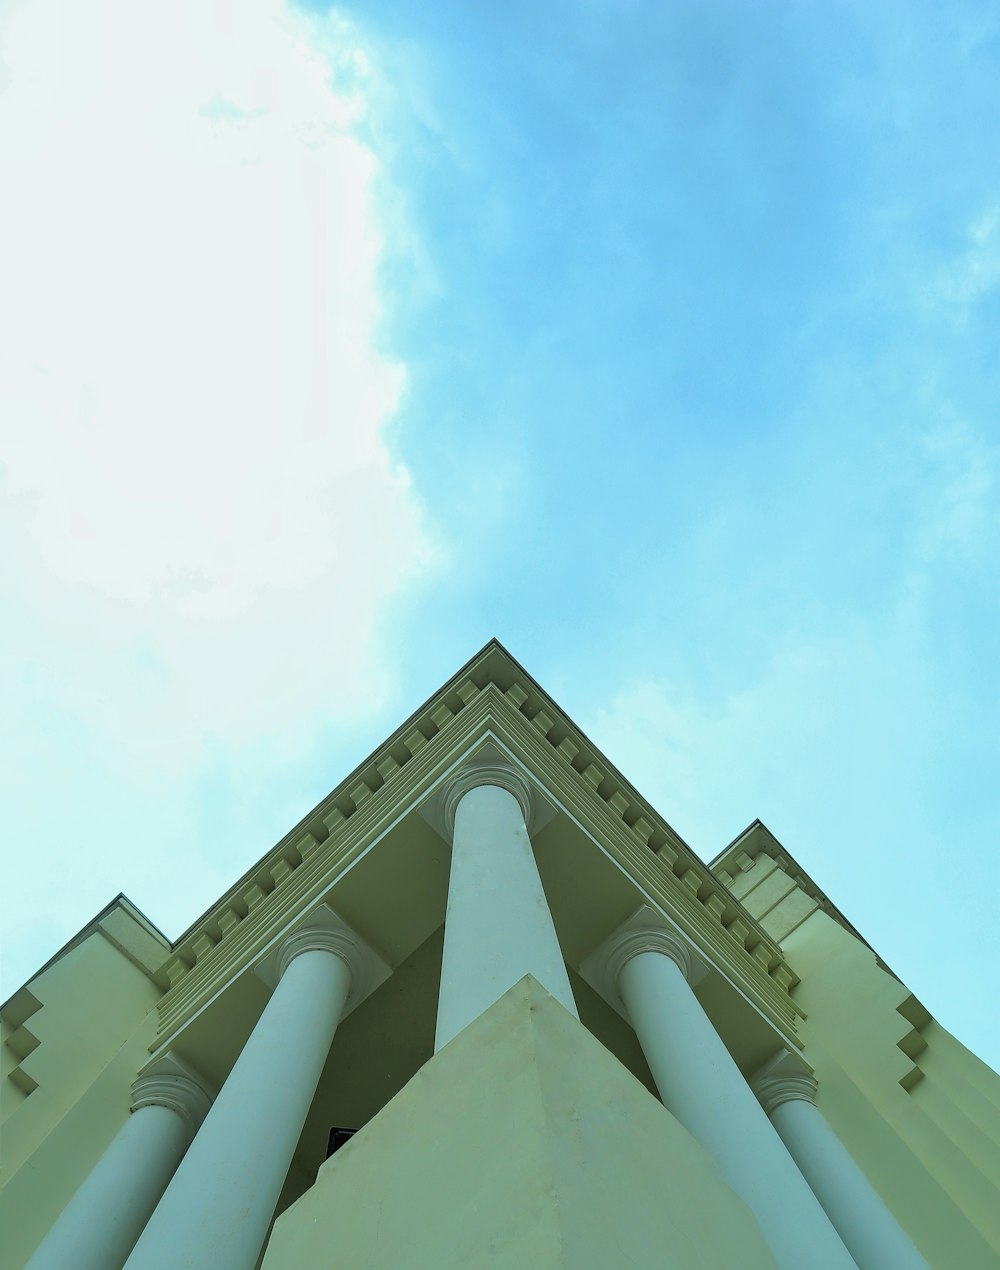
(784, 1078)
(645, 931)
(648, 937)
(338, 940)
(323, 930)
(472, 775)
(170, 1082)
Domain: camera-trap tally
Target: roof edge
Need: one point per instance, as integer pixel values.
(138, 944)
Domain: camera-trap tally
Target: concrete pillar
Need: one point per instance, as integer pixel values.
(787, 1092)
(98, 1227)
(498, 927)
(216, 1212)
(703, 1088)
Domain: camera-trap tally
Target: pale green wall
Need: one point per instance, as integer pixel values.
(17, 1042)
(919, 1113)
(523, 1142)
(96, 1022)
(526, 1131)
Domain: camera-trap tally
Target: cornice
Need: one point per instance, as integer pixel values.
(344, 826)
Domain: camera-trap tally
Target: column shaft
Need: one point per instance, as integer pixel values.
(98, 1227)
(704, 1089)
(869, 1230)
(216, 1212)
(498, 926)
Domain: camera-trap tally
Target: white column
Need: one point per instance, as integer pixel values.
(704, 1089)
(97, 1228)
(498, 927)
(216, 1212)
(787, 1092)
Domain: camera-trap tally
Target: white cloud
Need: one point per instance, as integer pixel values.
(189, 264)
(203, 520)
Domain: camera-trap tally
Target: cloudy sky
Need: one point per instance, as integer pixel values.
(659, 341)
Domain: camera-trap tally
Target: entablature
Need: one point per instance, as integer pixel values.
(491, 700)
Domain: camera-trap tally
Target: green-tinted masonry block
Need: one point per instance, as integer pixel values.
(523, 1142)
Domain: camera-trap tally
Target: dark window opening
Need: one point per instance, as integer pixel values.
(338, 1136)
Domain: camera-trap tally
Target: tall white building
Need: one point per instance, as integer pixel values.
(561, 1038)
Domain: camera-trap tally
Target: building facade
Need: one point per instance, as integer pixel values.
(483, 1006)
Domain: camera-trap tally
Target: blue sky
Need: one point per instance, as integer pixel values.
(658, 341)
